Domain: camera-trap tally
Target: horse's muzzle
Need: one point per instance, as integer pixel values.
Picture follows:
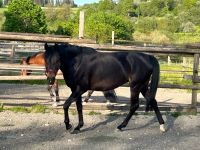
(51, 80)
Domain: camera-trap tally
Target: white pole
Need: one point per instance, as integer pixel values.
(81, 25)
(113, 37)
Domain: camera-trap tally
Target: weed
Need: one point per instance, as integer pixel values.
(1, 107)
(176, 114)
(94, 113)
(19, 109)
(38, 109)
(73, 112)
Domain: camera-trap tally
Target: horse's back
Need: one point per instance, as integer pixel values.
(110, 70)
(36, 59)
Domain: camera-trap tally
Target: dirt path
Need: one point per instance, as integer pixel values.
(22, 131)
(21, 93)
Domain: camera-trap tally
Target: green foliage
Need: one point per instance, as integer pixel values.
(168, 23)
(146, 24)
(126, 8)
(100, 25)
(59, 20)
(155, 37)
(187, 4)
(24, 16)
(105, 5)
(1, 3)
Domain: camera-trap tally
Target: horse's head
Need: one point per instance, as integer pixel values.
(52, 62)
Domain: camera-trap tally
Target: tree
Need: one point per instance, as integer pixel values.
(126, 7)
(100, 26)
(56, 18)
(24, 16)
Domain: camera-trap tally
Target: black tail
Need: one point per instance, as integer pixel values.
(154, 83)
(154, 78)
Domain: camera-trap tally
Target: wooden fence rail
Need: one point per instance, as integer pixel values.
(191, 51)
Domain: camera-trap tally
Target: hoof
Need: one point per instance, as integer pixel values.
(69, 128)
(120, 128)
(162, 128)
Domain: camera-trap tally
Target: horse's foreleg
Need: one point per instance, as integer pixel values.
(75, 96)
(66, 113)
(56, 90)
(80, 114)
(134, 106)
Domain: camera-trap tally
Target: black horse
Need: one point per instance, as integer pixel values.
(101, 72)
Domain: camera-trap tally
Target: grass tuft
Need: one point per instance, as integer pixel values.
(38, 109)
(1, 107)
(94, 113)
(19, 109)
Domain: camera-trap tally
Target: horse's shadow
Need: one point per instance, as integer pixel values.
(169, 123)
(108, 120)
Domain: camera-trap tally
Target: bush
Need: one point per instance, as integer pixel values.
(155, 37)
(188, 27)
(24, 16)
(100, 26)
(1, 3)
(146, 24)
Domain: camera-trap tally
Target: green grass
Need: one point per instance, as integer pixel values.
(2, 18)
(32, 109)
(174, 77)
(183, 38)
(1, 107)
(73, 112)
(19, 109)
(94, 113)
(38, 109)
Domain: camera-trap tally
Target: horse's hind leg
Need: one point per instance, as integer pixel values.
(110, 96)
(154, 105)
(88, 96)
(134, 106)
(145, 93)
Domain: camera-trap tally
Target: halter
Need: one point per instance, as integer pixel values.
(50, 71)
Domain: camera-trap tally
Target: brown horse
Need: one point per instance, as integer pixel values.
(38, 59)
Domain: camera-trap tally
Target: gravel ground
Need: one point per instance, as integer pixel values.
(22, 131)
(35, 131)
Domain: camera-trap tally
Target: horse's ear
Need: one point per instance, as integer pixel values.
(46, 46)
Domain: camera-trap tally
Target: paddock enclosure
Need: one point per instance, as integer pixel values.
(179, 64)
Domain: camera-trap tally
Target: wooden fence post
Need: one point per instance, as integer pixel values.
(195, 79)
(12, 55)
(81, 25)
(113, 37)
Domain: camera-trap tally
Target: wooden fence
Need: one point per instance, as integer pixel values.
(188, 51)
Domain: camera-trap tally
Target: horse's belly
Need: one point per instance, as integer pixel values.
(107, 84)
